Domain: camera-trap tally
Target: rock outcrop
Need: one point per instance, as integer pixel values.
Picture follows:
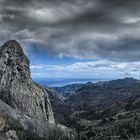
(21, 99)
(15, 125)
(16, 86)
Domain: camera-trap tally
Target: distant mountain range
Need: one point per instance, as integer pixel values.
(73, 89)
(110, 109)
(59, 82)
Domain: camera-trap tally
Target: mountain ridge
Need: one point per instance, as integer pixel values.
(105, 110)
(72, 89)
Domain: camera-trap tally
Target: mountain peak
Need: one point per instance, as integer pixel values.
(13, 61)
(12, 45)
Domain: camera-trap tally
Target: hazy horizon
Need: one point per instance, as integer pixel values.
(59, 82)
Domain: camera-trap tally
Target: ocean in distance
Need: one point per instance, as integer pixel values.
(58, 82)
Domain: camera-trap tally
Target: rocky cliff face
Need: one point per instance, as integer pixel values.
(17, 88)
(25, 108)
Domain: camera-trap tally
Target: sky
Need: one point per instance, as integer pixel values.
(75, 38)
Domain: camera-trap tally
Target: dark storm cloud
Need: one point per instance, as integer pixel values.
(108, 29)
(126, 49)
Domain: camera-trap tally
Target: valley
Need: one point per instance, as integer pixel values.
(104, 110)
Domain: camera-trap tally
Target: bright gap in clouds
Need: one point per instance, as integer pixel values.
(98, 69)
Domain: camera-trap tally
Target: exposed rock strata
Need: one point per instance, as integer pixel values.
(17, 88)
(25, 109)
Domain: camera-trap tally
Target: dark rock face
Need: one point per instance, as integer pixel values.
(58, 106)
(15, 125)
(17, 88)
(24, 105)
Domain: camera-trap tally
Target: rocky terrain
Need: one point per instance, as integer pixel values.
(25, 108)
(105, 110)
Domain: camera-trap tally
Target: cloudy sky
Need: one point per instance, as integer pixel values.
(75, 38)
